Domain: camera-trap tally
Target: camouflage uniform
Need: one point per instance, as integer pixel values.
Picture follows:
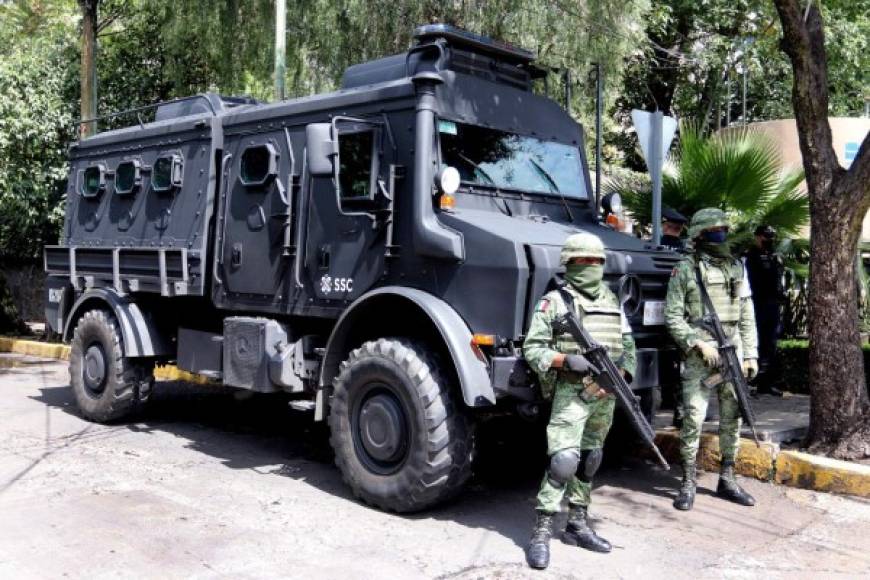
(726, 282)
(736, 314)
(582, 411)
(578, 420)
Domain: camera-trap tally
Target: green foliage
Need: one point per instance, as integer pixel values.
(154, 50)
(794, 361)
(695, 54)
(795, 253)
(738, 171)
(35, 127)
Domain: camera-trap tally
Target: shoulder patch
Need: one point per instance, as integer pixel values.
(544, 305)
(675, 271)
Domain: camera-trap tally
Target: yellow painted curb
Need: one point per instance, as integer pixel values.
(752, 461)
(61, 352)
(34, 348)
(803, 470)
(173, 373)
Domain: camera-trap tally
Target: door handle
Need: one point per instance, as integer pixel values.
(236, 255)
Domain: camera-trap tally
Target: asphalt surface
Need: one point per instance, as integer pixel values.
(210, 483)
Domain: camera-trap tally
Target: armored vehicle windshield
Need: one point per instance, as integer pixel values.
(491, 158)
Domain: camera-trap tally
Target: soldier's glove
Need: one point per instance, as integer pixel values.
(750, 368)
(579, 364)
(709, 353)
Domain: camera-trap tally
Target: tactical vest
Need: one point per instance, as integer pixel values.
(600, 317)
(724, 283)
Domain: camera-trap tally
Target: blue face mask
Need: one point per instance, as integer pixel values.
(715, 237)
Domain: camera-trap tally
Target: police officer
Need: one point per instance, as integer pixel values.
(582, 411)
(673, 223)
(765, 269)
(725, 280)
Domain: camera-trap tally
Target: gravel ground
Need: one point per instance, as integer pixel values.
(209, 483)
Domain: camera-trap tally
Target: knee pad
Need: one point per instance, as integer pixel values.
(590, 461)
(563, 465)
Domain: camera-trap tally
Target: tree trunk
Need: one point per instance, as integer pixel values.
(88, 74)
(839, 199)
(839, 394)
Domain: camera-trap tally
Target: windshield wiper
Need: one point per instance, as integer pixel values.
(552, 182)
(477, 166)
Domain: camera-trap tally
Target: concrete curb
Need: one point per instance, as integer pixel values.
(61, 352)
(754, 461)
(768, 462)
(34, 348)
(797, 469)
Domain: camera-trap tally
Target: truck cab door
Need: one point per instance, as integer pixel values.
(348, 221)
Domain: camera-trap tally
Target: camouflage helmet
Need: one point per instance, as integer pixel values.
(705, 219)
(583, 245)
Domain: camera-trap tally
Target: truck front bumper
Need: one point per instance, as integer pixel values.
(512, 376)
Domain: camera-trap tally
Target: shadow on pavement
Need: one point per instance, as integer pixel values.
(258, 432)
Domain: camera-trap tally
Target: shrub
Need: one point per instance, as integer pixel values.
(794, 358)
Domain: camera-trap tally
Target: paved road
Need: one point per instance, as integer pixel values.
(208, 484)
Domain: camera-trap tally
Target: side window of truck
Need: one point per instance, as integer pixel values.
(357, 164)
(167, 173)
(258, 164)
(128, 176)
(93, 180)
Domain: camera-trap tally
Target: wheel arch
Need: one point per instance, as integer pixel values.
(399, 311)
(140, 336)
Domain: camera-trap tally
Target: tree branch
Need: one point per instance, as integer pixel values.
(857, 179)
(804, 43)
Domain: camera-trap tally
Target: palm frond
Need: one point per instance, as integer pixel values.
(739, 171)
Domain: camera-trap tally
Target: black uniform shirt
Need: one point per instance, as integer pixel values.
(673, 242)
(765, 271)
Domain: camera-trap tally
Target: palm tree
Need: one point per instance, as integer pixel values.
(739, 171)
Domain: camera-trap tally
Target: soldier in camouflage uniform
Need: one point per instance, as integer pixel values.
(582, 411)
(726, 282)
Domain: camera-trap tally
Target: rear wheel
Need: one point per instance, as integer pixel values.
(400, 441)
(107, 385)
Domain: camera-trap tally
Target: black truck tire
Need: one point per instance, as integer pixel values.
(400, 442)
(107, 385)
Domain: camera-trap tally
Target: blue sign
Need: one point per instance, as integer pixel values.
(851, 152)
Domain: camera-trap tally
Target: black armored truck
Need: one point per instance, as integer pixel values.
(375, 253)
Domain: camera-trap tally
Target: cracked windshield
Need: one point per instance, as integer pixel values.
(490, 158)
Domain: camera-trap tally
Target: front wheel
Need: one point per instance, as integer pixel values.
(107, 385)
(400, 442)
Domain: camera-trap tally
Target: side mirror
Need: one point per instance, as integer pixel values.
(321, 149)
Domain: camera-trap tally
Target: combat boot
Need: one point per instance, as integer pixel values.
(538, 552)
(578, 532)
(686, 498)
(728, 488)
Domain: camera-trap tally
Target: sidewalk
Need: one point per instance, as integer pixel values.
(778, 419)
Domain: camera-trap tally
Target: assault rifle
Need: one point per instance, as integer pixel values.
(730, 369)
(609, 378)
